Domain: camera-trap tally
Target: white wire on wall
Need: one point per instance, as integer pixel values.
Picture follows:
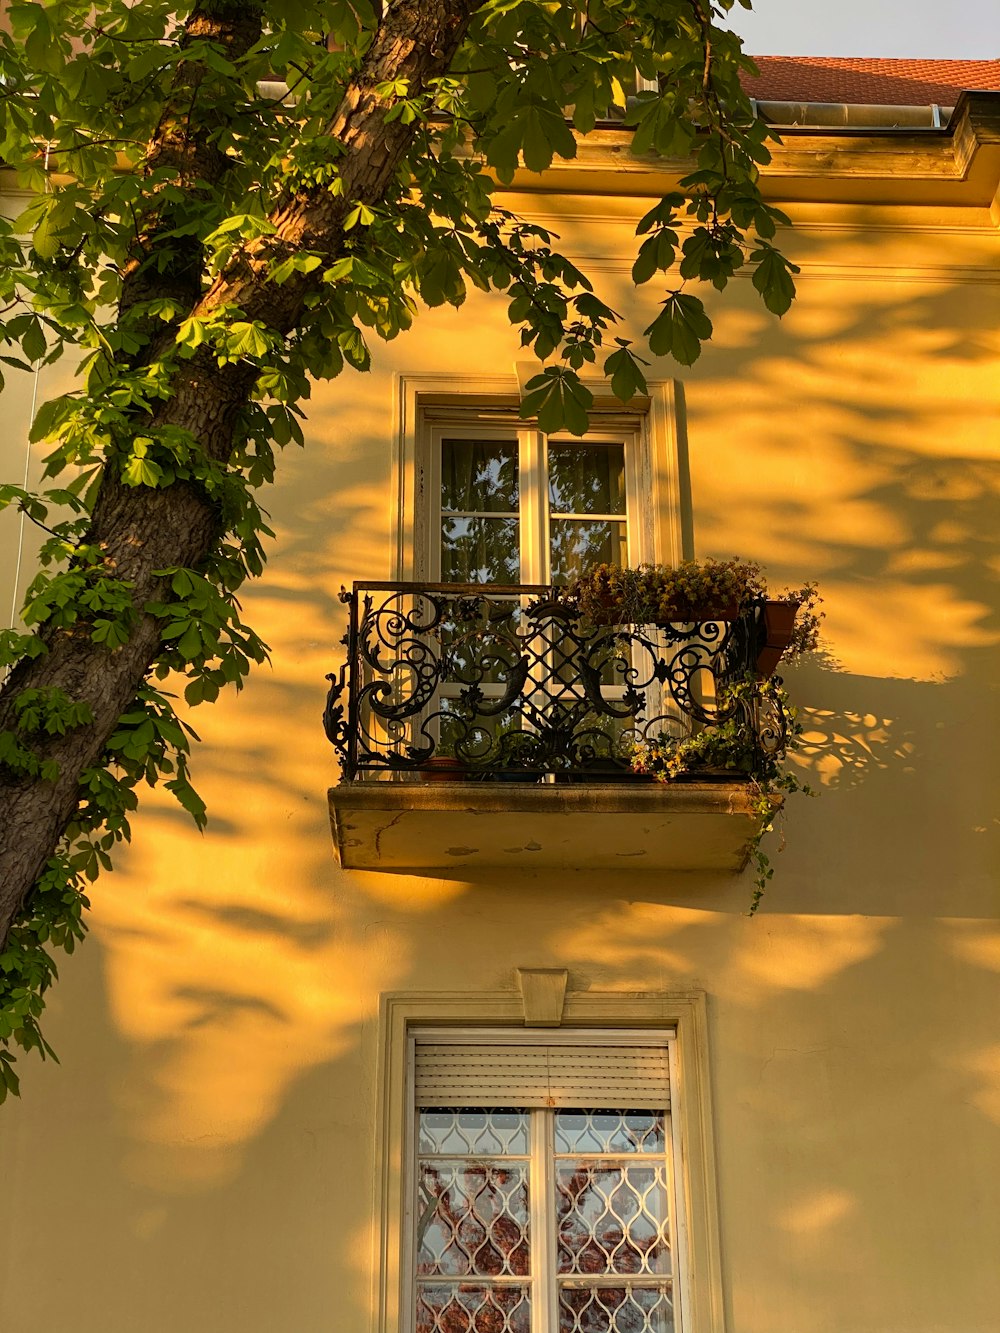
(15, 597)
(15, 600)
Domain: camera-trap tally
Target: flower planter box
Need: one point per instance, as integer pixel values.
(779, 621)
(614, 612)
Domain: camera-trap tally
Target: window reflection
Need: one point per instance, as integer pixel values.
(479, 476)
(576, 545)
(480, 550)
(481, 499)
(586, 478)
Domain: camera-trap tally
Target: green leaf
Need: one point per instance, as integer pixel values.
(189, 645)
(33, 341)
(139, 471)
(655, 253)
(355, 348)
(558, 399)
(51, 416)
(45, 241)
(772, 278)
(112, 633)
(245, 339)
(535, 132)
(361, 215)
(622, 368)
(191, 333)
(188, 799)
(679, 329)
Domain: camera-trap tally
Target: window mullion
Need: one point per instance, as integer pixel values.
(534, 496)
(677, 1215)
(544, 521)
(432, 551)
(544, 1296)
(637, 535)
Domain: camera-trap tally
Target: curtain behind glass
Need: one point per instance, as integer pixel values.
(479, 476)
(586, 479)
(480, 499)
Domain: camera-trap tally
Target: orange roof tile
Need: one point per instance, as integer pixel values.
(868, 81)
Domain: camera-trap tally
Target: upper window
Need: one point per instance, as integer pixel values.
(543, 1191)
(510, 505)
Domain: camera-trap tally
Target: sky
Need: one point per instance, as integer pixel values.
(945, 29)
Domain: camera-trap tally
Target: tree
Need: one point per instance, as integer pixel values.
(248, 238)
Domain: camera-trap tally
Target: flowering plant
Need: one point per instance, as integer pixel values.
(693, 590)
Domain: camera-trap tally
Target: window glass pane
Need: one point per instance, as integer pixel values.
(576, 545)
(479, 476)
(480, 550)
(482, 640)
(470, 1307)
(473, 1219)
(457, 1131)
(586, 478)
(611, 1219)
(616, 1310)
(609, 1132)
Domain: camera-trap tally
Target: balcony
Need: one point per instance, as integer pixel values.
(483, 725)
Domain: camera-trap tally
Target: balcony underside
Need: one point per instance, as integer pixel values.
(454, 825)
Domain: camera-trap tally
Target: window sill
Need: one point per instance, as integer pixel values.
(598, 826)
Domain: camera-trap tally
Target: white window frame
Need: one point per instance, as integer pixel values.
(678, 1018)
(542, 1160)
(429, 406)
(448, 423)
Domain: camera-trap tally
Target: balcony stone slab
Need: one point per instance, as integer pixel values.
(454, 826)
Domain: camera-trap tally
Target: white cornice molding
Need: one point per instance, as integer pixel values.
(957, 165)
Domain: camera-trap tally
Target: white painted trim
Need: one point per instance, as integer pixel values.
(843, 272)
(462, 1036)
(661, 455)
(678, 1216)
(641, 1014)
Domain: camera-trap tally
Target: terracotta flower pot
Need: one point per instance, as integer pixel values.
(779, 621)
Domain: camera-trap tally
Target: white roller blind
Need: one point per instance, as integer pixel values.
(620, 1077)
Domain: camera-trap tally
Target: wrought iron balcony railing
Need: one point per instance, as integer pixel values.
(513, 683)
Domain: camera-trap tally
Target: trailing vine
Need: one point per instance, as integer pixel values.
(733, 745)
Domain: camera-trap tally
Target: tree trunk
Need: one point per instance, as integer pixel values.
(141, 530)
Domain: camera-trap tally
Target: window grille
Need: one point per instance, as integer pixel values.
(543, 1192)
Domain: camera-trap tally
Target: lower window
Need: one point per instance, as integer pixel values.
(543, 1195)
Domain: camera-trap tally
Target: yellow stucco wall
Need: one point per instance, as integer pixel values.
(203, 1158)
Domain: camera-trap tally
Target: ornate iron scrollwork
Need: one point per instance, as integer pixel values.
(513, 681)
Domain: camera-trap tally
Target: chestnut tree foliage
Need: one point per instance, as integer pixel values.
(228, 201)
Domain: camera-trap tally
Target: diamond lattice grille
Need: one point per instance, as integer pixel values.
(616, 1310)
(609, 1132)
(473, 1219)
(538, 1209)
(469, 1307)
(611, 1219)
